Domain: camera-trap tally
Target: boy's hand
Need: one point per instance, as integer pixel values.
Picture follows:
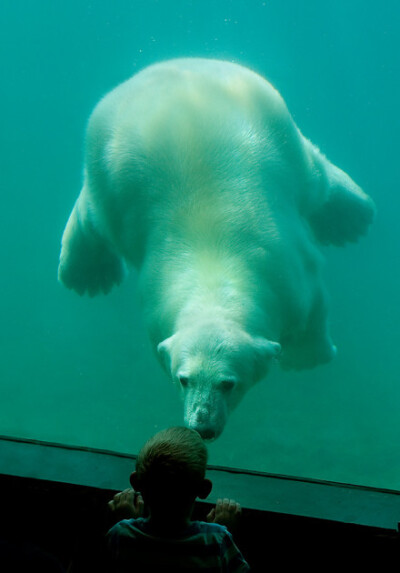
(127, 504)
(226, 512)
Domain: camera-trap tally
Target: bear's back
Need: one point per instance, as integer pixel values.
(190, 87)
(186, 109)
(191, 145)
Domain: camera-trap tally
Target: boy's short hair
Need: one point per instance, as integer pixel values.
(173, 460)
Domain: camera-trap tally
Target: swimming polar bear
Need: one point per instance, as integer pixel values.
(196, 174)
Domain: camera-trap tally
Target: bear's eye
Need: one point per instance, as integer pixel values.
(184, 380)
(227, 385)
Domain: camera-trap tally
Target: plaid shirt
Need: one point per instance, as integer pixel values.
(201, 547)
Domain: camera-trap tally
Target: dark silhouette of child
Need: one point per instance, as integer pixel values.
(159, 534)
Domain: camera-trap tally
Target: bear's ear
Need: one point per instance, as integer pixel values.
(164, 351)
(265, 350)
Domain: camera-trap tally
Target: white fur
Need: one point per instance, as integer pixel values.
(196, 174)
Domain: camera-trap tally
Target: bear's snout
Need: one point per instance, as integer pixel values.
(208, 420)
(202, 423)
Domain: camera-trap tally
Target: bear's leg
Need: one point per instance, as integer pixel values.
(311, 347)
(87, 261)
(346, 213)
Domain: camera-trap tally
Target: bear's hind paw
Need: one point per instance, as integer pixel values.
(343, 219)
(306, 357)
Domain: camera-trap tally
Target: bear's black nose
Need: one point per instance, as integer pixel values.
(206, 433)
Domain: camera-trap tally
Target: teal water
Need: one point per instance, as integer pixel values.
(80, 371)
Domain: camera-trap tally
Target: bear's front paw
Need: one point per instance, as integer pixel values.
(93, 275)
(87, 263)
(344, 218)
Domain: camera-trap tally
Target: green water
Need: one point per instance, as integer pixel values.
(80, 371)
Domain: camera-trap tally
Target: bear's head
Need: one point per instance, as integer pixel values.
(214, 365)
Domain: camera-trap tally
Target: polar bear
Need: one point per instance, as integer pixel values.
(196, 174)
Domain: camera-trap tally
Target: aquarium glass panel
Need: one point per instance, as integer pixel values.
(81, 370)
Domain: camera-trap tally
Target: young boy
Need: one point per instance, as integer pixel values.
(170, 475)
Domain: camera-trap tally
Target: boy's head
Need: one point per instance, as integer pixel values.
(170, 469)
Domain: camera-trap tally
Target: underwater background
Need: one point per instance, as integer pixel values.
(80, 371)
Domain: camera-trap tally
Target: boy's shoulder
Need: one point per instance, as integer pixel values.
(132, 527)
(205, 527)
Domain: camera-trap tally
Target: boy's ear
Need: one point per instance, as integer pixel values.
(134, 481)
(204, 488)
